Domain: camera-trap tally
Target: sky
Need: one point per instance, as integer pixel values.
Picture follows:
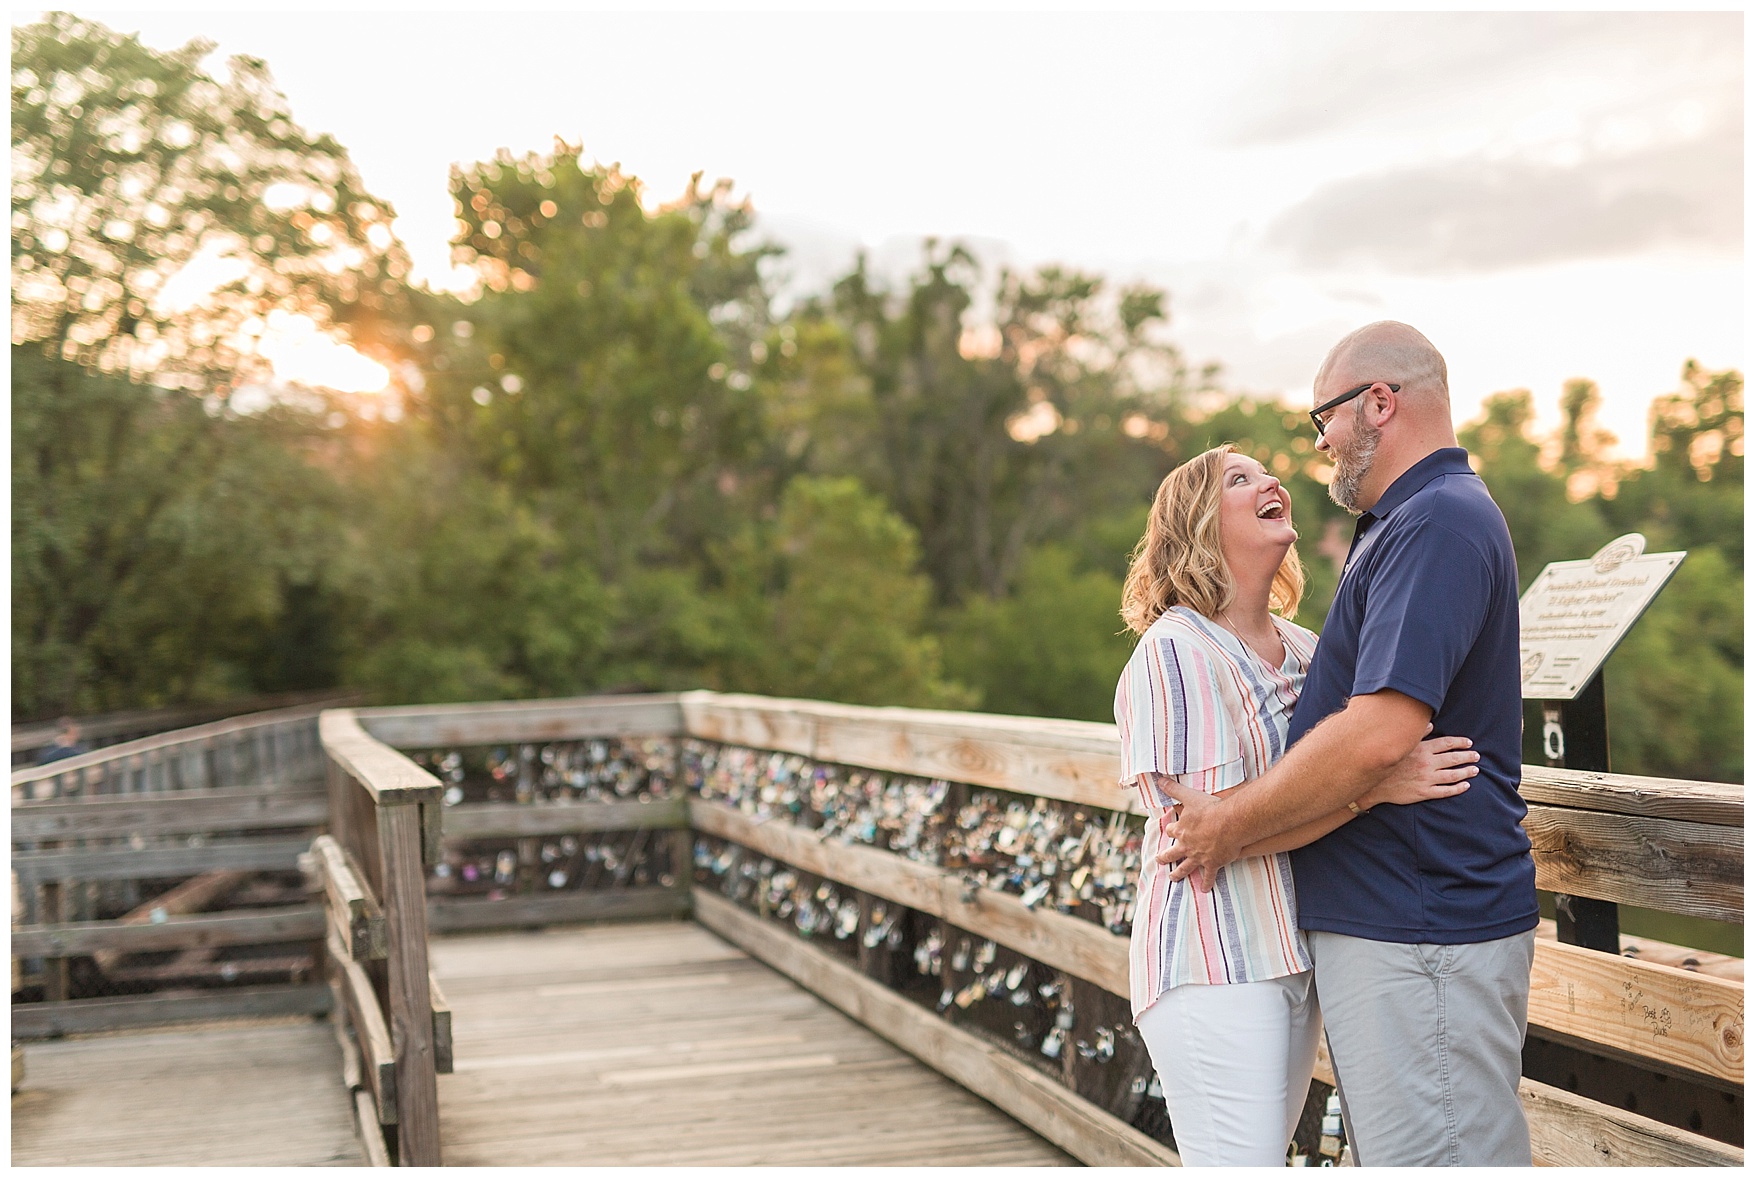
(1545, 195)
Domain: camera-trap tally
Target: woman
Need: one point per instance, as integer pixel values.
(1221, 983)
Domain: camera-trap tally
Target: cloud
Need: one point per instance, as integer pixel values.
(1478, 214)
(1323, 75)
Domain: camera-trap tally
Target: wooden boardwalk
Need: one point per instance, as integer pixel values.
(660, 1044)
(241, 1095)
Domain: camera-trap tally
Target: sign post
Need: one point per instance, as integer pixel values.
(1571, 619)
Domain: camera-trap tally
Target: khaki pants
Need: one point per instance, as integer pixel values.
(1427, 1043)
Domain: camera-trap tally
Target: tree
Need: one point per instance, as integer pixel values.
(138, 183)
(1583, 457)
(1675, 685)
(827, 604)
(1545, 525)
(453, 588)
(153, 543)
(990, 441)
(1675, 682)
(600, 373)
(1693, 494)
(158, 538)
(1054, 647)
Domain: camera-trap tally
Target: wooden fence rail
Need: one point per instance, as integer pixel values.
(1667, 845)
(112, 728)
(277, 748)
(668, 816)
(255, 790)
(209, 805)
(383, 819)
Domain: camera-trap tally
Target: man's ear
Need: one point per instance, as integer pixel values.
(1380, 406)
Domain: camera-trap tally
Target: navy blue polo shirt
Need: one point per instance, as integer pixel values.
(1427, 606)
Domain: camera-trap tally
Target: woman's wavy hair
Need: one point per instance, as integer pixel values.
(1179, 560)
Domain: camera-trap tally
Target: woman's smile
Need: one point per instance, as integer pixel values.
(1250, 490)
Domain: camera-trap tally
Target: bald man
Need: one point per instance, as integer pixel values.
(1420, 919)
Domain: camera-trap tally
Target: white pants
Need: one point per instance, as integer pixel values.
(1235, 1062)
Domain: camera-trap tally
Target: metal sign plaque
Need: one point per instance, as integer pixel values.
(1577, 611)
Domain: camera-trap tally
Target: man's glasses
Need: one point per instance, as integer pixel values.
(1318, 415)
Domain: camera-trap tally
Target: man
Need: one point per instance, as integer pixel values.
(1420, 919)
(66, 743)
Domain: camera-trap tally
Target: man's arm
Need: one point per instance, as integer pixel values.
(1301, 835)
(1338, 761)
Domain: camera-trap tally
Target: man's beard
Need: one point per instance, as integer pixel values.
(1353, 463)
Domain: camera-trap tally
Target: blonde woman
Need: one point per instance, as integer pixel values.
(1220, 978)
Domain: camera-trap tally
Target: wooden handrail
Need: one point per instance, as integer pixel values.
(1712, 802)
(147, 722)
(380, 806)
(1660, 843)
(1069, 760)
(176, 812)
(432, 725)
(1691, 868)
(1013, 752)
(1668, 844)
(183, 738)
(388, 776)
(1657, 1012)
(511, 820)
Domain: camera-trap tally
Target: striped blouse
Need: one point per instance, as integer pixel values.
(1196, 704)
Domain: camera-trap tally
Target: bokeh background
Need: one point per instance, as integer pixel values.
(828, 356)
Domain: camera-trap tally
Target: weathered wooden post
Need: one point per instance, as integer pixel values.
(380, 807)
(1575, 735)
(1573, 616)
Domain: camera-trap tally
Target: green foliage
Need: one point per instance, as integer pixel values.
(128, 164)
(456, 591)
(596, 378)
(1693, 495)
(989, 445)
(1054, 647)
(153, 543)
(1675, 685)
(826, 603)
(618, 469)
(1544, 526)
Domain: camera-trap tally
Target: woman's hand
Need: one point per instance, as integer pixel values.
(1437, 768)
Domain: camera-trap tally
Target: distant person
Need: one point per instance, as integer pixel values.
(66, 743)
(1420, 919)
(1220, 979)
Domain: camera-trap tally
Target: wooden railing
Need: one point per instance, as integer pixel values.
(211, 807)
(269, 748)
(384, 827)
(1667, 845)
(107, 819)
(542, 722)
(113, 728)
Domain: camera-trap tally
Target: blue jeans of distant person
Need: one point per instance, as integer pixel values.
(1235, 1062)
(1427, 1044)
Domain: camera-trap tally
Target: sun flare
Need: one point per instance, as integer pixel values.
(302, 354)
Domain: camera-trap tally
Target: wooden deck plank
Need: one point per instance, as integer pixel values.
(573, 1044)
(262, 1095)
